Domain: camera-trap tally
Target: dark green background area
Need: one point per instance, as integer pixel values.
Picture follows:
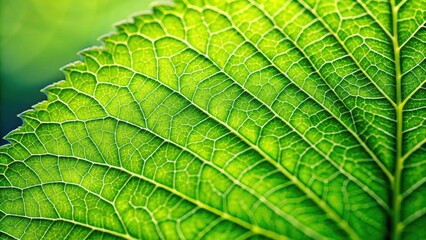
(37, 37)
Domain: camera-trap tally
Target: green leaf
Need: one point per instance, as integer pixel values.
(231, 120)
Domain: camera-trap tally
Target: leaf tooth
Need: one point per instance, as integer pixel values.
(134, 19)
(92, 55)
(97, 55)
(77, 65)
(106, 36)
(142, 19)
(117, 27)
(41, 106)
(120, 27)
(25, 115)
(28, 118)
(5, 159)
(11, 136)
(123, 25)
(48, 89)
(159, 8)
(93, 50)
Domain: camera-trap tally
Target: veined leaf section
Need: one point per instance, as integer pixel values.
(239, 119)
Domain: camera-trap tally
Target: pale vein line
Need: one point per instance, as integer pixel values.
(414, 149)
(397, 199)
(413, 35)
(74, 223)
(321, 203)
(39, 180)
(146, 128)
(413, 188)
(362, 143)
(367, 9)
(47, 230)
(355, 180)
(384, 205)
(273, 207)
(225, 216)
(413, 217)
(401, 3)
(343, 45)
(413, 93)
(42, 184)
(7, 234)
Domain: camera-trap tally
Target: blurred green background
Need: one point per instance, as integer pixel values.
(37, 37)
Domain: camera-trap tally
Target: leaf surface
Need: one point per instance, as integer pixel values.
(231, 120)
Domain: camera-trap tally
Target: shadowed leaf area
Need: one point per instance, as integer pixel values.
(238, 119)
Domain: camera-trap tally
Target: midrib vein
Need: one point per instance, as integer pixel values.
(397, 227)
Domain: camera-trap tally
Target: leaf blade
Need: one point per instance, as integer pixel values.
(192, 115)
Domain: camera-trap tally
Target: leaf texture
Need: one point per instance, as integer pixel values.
(238, 119)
